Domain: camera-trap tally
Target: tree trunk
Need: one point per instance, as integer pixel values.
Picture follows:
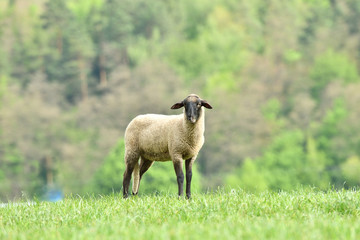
(59, 42)
(103, 76)
(83, 80)
(49, 171)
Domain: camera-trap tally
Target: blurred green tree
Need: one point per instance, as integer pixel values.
(350, 170)
(287, 163)
(248, 177)
(283, 77)
(329, 67)
(329, 129)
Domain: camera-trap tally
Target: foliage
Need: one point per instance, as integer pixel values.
(332, 66)
(285, 164)
(282, 76)
(328, 131)
(294, 159)
(351, 170)
(235, 214)
(247, 177)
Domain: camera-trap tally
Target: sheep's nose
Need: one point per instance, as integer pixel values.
(192, 119)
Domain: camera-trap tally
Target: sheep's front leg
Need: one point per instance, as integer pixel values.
(178, 165)
(188, 167)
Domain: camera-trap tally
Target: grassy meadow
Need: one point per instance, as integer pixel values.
(225, 214)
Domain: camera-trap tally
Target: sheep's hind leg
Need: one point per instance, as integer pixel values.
(144, 166)
(131, 161)
(136, 179)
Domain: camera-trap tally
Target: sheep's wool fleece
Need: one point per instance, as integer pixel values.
(164, 137)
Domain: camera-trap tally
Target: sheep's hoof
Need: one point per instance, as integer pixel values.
(188, 196)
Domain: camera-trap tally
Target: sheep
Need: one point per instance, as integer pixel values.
(155, 137)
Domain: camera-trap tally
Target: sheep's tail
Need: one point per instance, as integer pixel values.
(136, 178)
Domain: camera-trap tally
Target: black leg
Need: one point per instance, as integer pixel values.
(188, 168)
(126, 179)
(131, 159)
(144, 166)
(180, 176)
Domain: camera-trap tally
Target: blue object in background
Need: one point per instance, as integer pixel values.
(53, 195)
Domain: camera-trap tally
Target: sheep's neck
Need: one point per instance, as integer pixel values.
(194, 130)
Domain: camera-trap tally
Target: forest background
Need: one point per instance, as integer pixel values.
(282, 77)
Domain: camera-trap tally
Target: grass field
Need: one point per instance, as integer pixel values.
(234, 214)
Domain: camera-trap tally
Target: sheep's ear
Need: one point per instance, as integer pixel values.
(178, 105)
(204, 103)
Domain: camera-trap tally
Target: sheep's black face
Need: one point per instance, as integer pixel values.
(192, 106)
(192, 110)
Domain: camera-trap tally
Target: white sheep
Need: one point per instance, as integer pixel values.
(154, 137)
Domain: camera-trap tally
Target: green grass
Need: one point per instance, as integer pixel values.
(235, 214)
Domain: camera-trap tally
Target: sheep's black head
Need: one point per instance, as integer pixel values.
(192, 104)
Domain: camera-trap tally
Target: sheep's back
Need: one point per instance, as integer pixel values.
(150, 134)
